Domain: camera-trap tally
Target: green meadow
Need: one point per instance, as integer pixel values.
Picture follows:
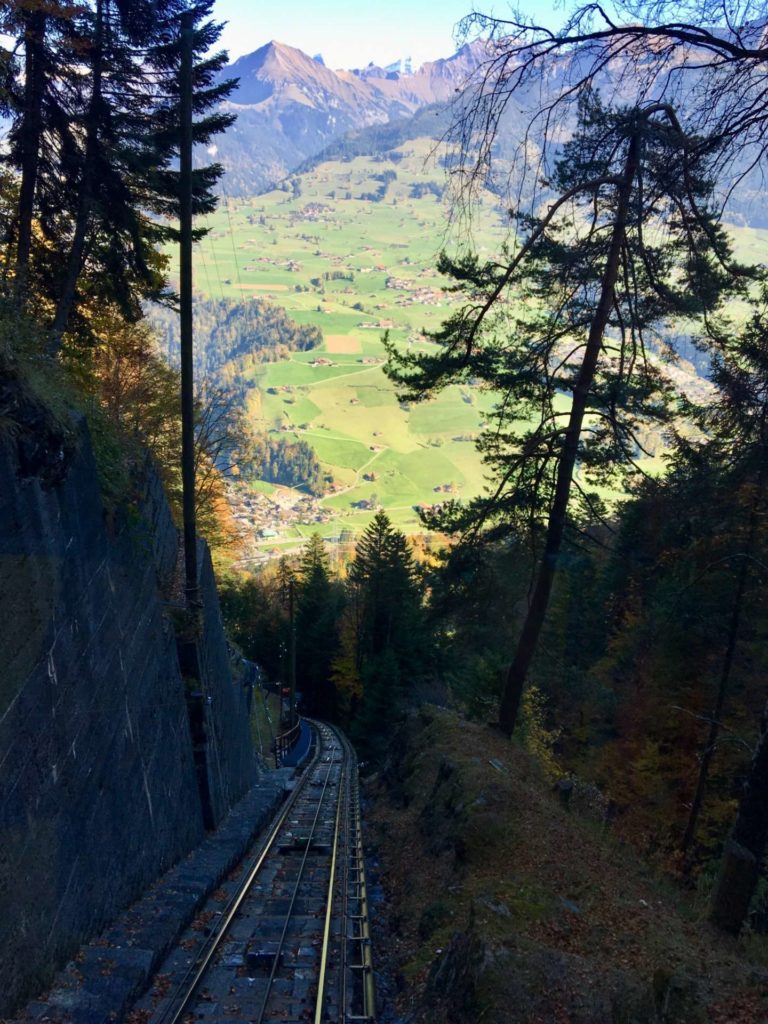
(330, 256)
(323, 250)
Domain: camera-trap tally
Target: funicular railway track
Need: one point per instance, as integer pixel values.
(292, 944)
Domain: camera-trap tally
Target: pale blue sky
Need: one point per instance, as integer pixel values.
(350, 33)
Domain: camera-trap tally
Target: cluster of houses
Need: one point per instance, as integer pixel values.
(424, 506)
(416, 294)
(262, 517)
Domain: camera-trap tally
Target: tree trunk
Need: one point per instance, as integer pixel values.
(74, 264)
(717, 711)
(744, 851)
(730, 652)
(31, 133)
(537, 609)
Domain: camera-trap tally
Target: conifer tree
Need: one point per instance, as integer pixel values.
(735, 452)
(113, 123)
(41, 92)
(745, 849)
(255, 616)
(391, 637)
(95, 129)
(316, 629)
(561, 331)
(130, 132)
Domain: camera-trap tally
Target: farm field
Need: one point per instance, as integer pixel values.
(357, 269)
(322, 248)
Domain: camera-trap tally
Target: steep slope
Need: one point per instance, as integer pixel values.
(105, 753)
(506, 907)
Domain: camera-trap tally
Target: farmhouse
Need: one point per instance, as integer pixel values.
(377, 325)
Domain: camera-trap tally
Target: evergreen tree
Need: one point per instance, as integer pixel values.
(680, 679)
(94, 150)
(114, 122)
(391, 636)
(744, 851)
(736, 451)
(256, 618)
(41, 94)
(130, 132)
(473, 594)
(317, 612)
(286, 578)
(590, 286)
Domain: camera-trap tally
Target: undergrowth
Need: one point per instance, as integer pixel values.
(31, 380)
(471, 837)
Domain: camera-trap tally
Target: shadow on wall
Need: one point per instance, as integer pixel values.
(98, 790)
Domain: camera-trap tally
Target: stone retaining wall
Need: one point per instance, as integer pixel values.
(98, 792)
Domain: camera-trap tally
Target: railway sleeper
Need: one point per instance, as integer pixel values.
(263, 958)
(302, 844)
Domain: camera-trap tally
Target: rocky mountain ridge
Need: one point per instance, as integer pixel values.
(290, 106)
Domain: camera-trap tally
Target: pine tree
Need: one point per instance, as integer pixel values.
(737, 451)
(40, 95)
(129, 138)
(391, 635)
(744, 851)
(256, 618)
(590, 286)
(94, 151)
(317, 613)
(737, 447)
(114, 124)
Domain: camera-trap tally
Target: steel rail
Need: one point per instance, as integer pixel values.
(289, 912)
(345, 923)
(343, 784)
(186, 987)
(363, 937)
(352, 862)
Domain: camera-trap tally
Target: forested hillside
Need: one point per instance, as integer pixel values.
(244, 334)
(605, 615)
(485, 390)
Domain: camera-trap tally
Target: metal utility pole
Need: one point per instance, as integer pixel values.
(185, 311)
(292, 616)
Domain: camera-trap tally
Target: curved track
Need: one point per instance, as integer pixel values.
(292, 944)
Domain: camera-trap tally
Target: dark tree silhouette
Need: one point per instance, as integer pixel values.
(572, 312)
(706, 58)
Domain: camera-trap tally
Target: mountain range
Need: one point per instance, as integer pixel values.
(293, 110)
(290, 106)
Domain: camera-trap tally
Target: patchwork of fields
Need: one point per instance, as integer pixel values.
(356, 268)
(351, 247)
